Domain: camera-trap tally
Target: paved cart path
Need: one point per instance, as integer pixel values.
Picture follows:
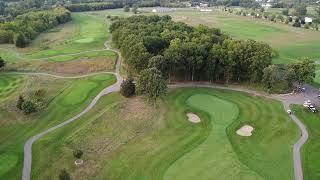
(27, 163)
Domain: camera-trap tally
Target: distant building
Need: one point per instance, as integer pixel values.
(162, 10)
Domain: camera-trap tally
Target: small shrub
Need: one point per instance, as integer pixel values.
(21, 41)
(77, 154)
(28, 107)
(64, 175)
(128, 88)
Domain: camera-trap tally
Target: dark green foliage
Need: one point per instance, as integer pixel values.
(27, 26)
(152, 84)
(20, 102)
(64, 175)
(94, 6)
(28, 107)
(21, 41)
(2, 63)
(128, 88)
(77, 154)
(184, 52)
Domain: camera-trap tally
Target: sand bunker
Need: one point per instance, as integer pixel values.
(193, 118)
(245, 130)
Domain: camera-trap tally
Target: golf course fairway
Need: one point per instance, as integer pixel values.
(126, 138)
(69, 101)
(216, 151)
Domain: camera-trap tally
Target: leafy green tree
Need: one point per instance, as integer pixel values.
(304, 71)
(160, 63)
(20, 102)
(64, 175)
(77, 154)
(152, 84)
(126, 8)
(2, 63)
(21, 41)
(270, 76)
(128, 88)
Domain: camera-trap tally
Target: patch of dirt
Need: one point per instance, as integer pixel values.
(245, 130)
(81, 66)
(193, 118)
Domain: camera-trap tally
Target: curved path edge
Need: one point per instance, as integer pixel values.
(297, 165)
(27, 162)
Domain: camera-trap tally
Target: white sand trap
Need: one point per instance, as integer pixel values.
(245, 130)
(193, 118)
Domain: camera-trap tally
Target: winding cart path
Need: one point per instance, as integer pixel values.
(27, 163)
(285, 99)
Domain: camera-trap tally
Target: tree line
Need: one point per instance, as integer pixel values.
(183, 52)
(27, 26)
(94, 6)
(158, 50)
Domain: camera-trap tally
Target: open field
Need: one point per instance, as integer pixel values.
(310, 151)
(128, 139)
(68, 98)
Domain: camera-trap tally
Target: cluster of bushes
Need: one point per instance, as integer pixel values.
(32, 102)
(27, 26)
(182, 52)
(94, 6)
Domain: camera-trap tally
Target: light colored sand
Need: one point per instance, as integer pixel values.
(245, 130)
(193, 118)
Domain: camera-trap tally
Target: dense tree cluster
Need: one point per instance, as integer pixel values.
(180, 51)
(94, 6)
(279, 78)
(27, 26)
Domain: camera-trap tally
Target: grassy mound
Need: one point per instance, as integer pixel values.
(128, 139)
(310, 151)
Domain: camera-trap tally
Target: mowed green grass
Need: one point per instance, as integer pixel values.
(310, 151)
(163, 144)
(71, 100)
(85, 32)
(215, 154)
(8, 84)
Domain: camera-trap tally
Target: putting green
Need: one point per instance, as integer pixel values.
(215, 156)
